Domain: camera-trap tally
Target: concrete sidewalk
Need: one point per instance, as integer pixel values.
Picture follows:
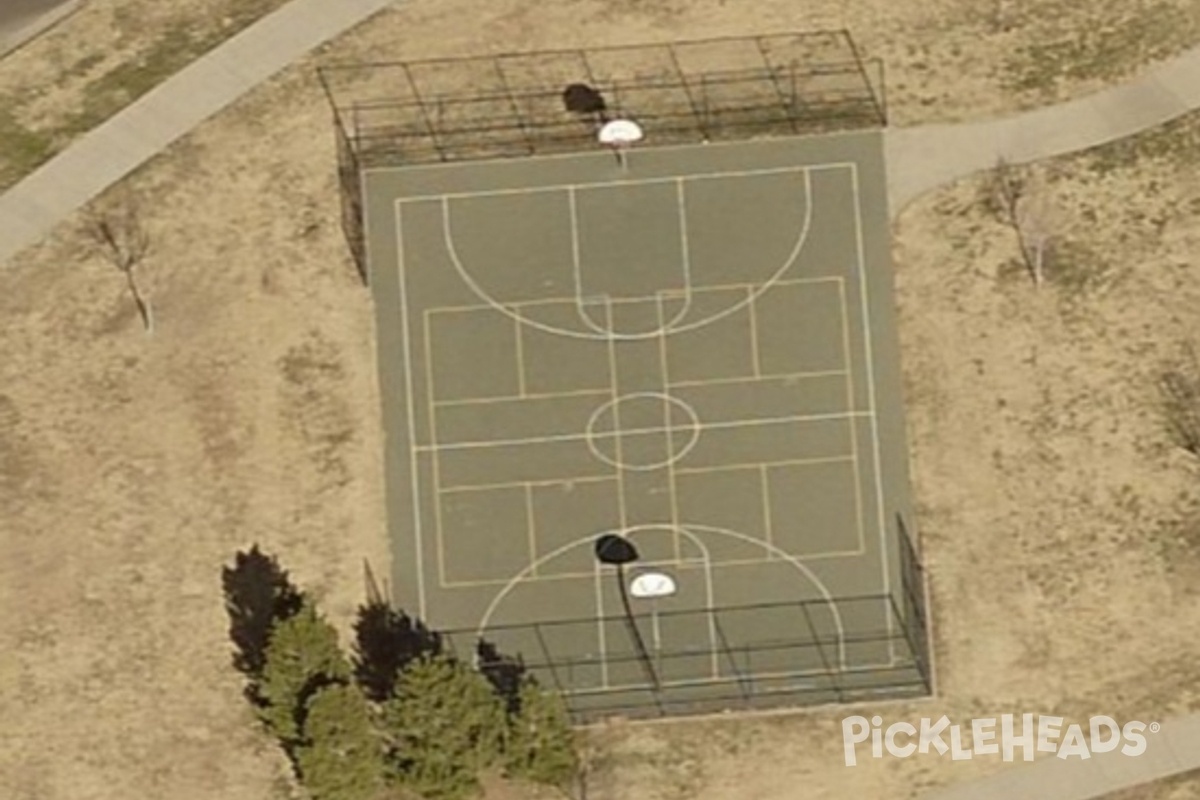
(1172, 750)
(108, 153)
(922, 158)
(24, 20)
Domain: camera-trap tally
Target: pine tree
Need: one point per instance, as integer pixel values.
(386, 640)
(302, 658)
(341, 757)
(258, 596)
(444, 726)
(541, 744)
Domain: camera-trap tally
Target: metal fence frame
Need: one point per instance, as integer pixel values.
(832, 682)
(509, 105)
(506, 112)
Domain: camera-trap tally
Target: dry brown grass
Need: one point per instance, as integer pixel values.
(946, 59)
(96, 62)
(132, 467)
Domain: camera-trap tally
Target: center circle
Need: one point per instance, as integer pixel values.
(642, 431)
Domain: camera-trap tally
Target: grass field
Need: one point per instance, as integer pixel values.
(131, 467)
(946, 60)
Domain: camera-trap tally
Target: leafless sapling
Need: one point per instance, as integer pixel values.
(120, 235)
(1020, 196)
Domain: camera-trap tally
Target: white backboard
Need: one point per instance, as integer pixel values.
(652, 584)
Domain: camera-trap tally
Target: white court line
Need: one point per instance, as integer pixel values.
(508, 310)
(844, 310)
(520, 358)
(870, 368)
(786, 462)
(560, 187)
(602, 638)
(783, 555)
(530, 527)
(751, 379)
(617, 433)
(577, 393)
(614, 379)
(686, 563)
(512, 398)
(664, 369)
(866, 324)
(726, 467)
(667, 293)
(435, 458)
(596, 156)
(488, 487)
(710, 600)
(581, 295)
(411, 412)
(765, 492)
(754, 350)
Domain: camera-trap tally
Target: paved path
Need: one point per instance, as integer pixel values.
(924, 157)
(16, 15)
(108, 153)
(1174, 749)
(23, 20)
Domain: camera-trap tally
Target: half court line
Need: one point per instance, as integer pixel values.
(725, 467)
(618, 433)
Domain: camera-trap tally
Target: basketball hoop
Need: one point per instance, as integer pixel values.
(620, 135)
(652, 585)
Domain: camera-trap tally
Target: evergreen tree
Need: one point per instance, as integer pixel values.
(341, 757)
(444, 725)
(258, 595)
(386, 640)
(302, 657)
(541, 743)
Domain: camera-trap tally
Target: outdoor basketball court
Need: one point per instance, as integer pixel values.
(693, 350)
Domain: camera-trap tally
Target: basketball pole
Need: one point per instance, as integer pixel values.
(622, 157)
(636, 634)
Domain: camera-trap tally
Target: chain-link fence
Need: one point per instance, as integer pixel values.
(506, 105)
(708, 660)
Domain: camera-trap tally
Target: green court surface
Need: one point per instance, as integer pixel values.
(696, 351)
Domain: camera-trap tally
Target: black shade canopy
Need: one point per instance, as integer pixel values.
(579, 98)
(615, 550)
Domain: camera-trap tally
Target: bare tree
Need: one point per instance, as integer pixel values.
(1180, 390)
(1020, 197)
(122, 239)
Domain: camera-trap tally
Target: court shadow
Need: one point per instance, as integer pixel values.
(258, 595)
(506, 674)
(386, 641)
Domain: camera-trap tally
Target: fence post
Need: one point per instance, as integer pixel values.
(832, 673)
